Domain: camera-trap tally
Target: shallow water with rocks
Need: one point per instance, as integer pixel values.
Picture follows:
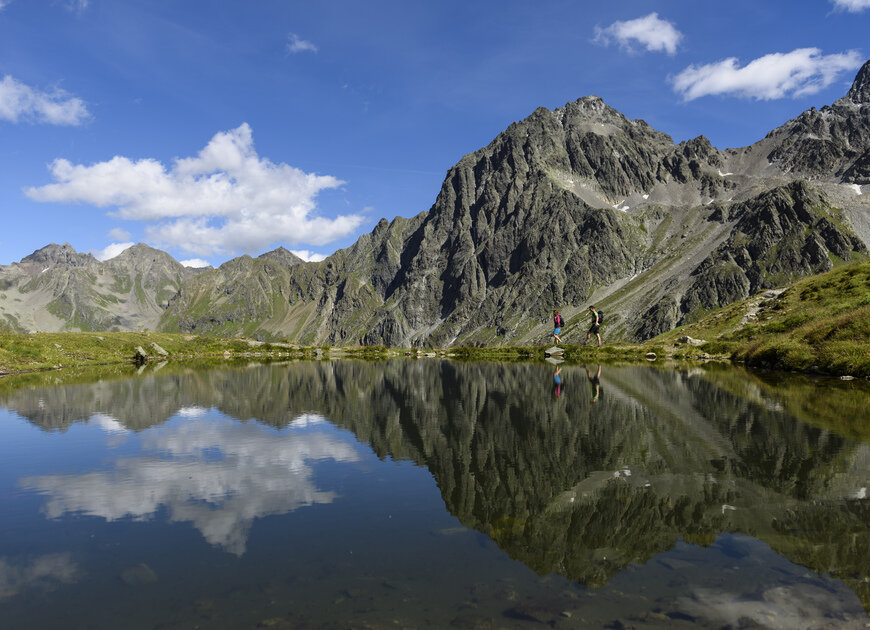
(435, 494)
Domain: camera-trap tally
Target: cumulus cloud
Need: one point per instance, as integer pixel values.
(852, 6)
(195, 262)
(21, 103)
(227, 199)
(651, 32)
(777, 75)
(297, 45)
(259, 473)
(111, 251)
(307, 256)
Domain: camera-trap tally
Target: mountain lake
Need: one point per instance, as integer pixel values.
(433, 494)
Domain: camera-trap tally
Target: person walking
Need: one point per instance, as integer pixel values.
(558, 323)
(595, 328)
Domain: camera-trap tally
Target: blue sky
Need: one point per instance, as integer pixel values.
(214, 129)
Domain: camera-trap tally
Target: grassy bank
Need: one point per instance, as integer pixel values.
(22, 353)
(44, 351)
(819, 324)
(571, 353)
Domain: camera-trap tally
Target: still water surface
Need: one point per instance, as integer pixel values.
(431, 494)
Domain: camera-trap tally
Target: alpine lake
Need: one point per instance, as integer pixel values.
(429, 493)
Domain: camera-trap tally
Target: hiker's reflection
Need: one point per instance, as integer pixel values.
(595, 381)
(557, 382)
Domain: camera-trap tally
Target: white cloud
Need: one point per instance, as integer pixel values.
(20, 102)
(111, 251)
(4, 4)
(777, 75)
(307, 256)
(296, 45)
(225, 200)
(118, 234)
(195, 262)
(259, 473)
(650, 31)
(853, 6)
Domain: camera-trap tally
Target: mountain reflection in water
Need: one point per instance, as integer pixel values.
(584, 483)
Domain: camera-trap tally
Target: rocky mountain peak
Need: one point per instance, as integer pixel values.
(53, 254)
(860, 91)
(141, 256)
(139, 250)
(283, 256)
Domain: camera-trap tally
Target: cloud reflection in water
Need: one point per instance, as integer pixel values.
(218, 474)
(45, 571)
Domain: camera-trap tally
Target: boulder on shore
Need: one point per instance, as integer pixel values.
(691, 341)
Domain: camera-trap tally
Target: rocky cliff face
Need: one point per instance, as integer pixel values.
(566, 208)
(828, 142)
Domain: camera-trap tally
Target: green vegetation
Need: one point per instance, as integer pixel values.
(44, 351)
(23, 353)
(820, 323)
(571, 353)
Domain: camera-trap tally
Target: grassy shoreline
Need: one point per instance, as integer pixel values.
(23, 353)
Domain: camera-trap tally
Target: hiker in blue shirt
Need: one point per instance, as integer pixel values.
(558, 322)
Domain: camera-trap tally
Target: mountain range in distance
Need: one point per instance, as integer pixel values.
(569, 207)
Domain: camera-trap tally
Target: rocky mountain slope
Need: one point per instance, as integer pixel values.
(56, 288)
(566, 208)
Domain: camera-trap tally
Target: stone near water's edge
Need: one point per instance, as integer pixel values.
(690, 341)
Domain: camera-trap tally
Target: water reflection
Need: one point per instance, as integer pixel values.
(43, 572)
(594, 382)
(220, 476)
(584, 489)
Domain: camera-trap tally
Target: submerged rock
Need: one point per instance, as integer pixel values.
(139, 575)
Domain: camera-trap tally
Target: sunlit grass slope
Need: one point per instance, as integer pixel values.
(820, 323)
